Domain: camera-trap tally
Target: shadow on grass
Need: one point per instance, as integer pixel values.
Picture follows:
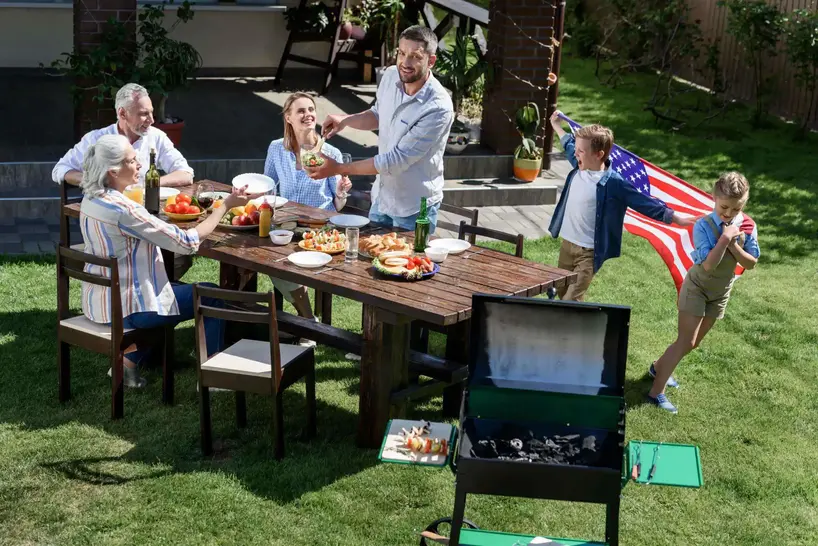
(170, 434)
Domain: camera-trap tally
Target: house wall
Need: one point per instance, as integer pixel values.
(227, 37)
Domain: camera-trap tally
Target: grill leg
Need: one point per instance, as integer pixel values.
(457, 516)
(612, 523)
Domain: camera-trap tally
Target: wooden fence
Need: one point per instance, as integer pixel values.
(789, 100)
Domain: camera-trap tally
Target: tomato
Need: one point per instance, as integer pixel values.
(171, 209)
(255, 217)
(236, 221)
(182, 198)
(194, 210)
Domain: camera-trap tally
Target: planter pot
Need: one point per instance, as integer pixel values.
(527, 170)
(173, 130)
(350, 31)
(457, 142)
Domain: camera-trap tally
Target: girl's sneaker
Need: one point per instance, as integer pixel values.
(671, 382)
(663, 403)
(131, 378)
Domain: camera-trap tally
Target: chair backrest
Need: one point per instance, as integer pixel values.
(460, 211)
(258, 315)
(517, 240)
(360, 203)
(71, 265)
(65, 199)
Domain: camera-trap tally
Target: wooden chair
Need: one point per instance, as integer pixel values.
(111, 340)
(473, 231)
(472, 214)
(248, 365)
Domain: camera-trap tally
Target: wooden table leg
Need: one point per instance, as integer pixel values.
(384, 368)
(323, 306)
(457, 349)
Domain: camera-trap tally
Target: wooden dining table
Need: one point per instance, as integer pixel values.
(389, 305)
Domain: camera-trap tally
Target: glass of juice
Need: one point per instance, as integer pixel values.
(136, 193)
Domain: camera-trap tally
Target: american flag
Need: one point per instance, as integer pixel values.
(673, 243)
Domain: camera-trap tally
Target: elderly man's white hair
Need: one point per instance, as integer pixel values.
(107, 154)
(128, 95)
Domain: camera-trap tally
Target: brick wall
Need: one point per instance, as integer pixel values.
(515, 28)
(90, 18)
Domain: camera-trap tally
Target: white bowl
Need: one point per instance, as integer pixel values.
(256, 183)
(274, 202)
(436, 254)
(281, 236)
(454, 246)
(310, 259)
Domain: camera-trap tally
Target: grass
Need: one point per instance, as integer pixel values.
(69, 475)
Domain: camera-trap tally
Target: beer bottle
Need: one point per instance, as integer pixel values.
(422, 225)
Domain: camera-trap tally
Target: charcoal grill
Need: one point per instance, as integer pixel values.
(546, 377)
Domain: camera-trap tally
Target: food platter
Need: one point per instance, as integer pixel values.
(183, 217)
(375, 245)
(333, 252)
(231, 227)
(329, 242)
(403, 266)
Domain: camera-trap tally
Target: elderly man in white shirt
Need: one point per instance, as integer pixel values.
(413, 114)
(134, 112)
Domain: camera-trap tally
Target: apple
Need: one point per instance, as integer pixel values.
(236, 221)
(255, 217)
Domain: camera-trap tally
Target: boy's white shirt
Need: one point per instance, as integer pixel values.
(579, 223)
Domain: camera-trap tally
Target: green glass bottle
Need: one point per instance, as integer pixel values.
(152, 186)
(422, 226)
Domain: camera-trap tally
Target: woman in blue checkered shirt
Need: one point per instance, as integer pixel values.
(284, 166)
(283, 159)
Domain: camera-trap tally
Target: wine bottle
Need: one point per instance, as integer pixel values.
(422, 225)
(152, 186)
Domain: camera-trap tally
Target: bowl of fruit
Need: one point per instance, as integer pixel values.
(241, 218)
(183, 208)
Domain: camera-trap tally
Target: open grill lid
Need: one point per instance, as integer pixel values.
(544, 345)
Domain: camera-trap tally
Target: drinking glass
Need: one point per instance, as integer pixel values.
(351, 253)
(136, 193)
(204, 195)
(345, 158)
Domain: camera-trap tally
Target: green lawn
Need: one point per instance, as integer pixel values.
(69, 475)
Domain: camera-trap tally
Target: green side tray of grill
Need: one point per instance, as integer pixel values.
(476, 537)
(679, 465)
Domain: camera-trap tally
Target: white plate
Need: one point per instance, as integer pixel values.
(454, 246)
(349, 220)
(165, 192)
(310, 259)
(279, 201)
(256, 183)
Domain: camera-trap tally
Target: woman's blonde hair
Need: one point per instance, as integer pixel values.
(106, 154)
(290, 142)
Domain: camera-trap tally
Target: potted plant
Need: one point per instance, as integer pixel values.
(387, 19)
(166, 63)
(527, 156)
(316, 17)
(155, 61)
(460, 68)
(356, 20)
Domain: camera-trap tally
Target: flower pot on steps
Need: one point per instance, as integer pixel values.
(173, 130)
(527, 170)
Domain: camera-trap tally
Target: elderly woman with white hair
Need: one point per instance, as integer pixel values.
(113, 225)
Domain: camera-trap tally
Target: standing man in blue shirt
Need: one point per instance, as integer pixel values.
(413, 114)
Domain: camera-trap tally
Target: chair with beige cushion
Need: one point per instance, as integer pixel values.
(112, 340)
(259, 367)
